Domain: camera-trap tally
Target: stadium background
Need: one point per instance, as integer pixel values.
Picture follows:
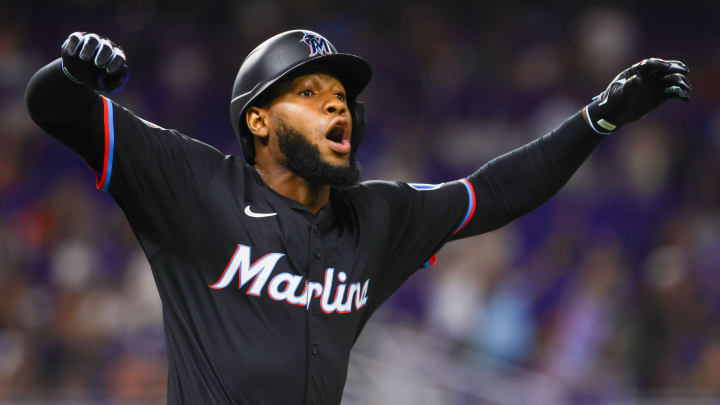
(608, 293)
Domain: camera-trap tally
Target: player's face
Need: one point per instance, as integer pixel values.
(315, 106)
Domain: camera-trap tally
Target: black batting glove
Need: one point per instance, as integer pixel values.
(95, 61)
(637, 91)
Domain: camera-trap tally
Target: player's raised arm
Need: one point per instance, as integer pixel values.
(512, 185)
(62, 96)
(158, 176)
(516, 183)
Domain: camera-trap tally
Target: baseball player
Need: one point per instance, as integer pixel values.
(270, 264)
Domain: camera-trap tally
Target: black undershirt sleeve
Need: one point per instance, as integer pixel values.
(70, 112)
(514, 184)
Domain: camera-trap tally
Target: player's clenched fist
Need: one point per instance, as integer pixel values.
(636, 91)
(95, 61)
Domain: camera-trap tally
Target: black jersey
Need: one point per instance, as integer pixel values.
(262, 299)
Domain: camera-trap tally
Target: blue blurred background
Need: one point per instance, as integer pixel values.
(610, 292)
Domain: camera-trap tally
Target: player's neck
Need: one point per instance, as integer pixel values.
(290, 185)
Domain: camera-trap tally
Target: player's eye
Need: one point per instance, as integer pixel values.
(341, 96)
(306, 93)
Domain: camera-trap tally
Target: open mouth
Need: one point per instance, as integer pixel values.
(338, 136)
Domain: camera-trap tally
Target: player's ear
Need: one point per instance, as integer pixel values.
(256, 120)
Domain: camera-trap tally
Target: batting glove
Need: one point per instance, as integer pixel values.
(94, 61)
(637, 91)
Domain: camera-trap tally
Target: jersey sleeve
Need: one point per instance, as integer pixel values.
(158, 176)
(424, 218)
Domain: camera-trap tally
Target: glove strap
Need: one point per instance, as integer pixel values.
(601, 126)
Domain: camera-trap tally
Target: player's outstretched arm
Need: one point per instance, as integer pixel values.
(62, 96)
(516, 183)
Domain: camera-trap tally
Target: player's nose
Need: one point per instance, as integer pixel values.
(334, 105)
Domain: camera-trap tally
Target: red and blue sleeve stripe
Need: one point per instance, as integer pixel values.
(468, 216)
(103, 180)
(431, 261)
(471, 204)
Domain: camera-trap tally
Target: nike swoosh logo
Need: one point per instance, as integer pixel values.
(249, 213)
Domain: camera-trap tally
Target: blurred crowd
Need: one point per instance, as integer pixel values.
(611, 288)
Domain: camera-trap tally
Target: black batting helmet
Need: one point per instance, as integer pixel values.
(277, 58)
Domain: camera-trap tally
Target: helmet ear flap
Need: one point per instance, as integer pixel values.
(358, 118)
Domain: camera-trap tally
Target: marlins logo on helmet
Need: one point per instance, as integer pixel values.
(318, 45)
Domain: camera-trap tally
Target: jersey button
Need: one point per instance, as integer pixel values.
(314, 349)
(316, 253)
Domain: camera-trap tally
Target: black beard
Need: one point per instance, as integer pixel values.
(304, 159)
